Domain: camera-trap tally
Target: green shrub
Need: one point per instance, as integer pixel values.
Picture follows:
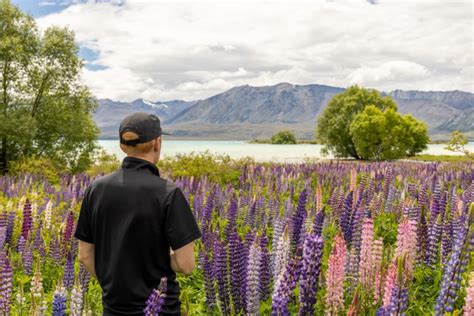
(283, 137)
(38, 166)
(103, 163)
(217, 168)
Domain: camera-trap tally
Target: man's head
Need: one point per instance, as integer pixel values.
(140, 136)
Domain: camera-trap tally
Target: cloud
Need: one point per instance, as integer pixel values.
(47, 3)
(393, 71)
(163, 50)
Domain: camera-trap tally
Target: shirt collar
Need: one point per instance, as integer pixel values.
(138, 163)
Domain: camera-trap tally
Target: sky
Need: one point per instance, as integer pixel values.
(173, 49)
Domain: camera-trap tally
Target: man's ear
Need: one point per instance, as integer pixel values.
(157, 143)
(123, 148)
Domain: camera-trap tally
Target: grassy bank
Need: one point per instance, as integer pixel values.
(442, 158)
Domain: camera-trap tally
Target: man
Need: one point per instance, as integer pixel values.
(135, 227)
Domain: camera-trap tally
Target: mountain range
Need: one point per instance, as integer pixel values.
(248, 112)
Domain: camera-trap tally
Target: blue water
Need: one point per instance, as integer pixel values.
(260, 152)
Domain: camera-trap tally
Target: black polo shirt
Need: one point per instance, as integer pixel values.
(133, 217)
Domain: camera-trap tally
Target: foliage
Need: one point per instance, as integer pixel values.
(283, 137)
(383, 135)
(37, 166)
(216, 168)
(103, 163)
(45, 110)
(334, 123)
(458, 144)
(269, 141)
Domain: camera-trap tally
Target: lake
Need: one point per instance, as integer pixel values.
(260, 152)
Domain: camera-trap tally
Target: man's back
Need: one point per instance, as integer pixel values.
(132, 216)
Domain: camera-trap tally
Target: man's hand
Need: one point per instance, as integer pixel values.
(86, 256)
(182, 259)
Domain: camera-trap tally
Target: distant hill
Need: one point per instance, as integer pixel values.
(247, 112)
(110, 113)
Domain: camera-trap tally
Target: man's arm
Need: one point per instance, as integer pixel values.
(86, 256)
(182, 259)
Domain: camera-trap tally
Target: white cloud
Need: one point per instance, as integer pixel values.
(393, 71)
(163, 50)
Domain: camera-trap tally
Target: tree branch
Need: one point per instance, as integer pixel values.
(39, 96)
(5, 87)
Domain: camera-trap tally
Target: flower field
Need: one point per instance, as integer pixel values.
(329, 238)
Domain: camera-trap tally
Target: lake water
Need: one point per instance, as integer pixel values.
(260, 152)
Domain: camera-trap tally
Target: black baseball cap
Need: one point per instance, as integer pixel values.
(147, 126)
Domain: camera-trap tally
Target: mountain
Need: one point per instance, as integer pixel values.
(283, 103)
(110, 113)
(248, 112)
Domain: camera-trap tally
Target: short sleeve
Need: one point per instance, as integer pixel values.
(180, 225)
(83, 227)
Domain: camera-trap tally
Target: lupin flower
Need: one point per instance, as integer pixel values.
(377, 253)
(3, 235)
(310, 269)
(457, 264)
(5, 286)
(59, 301)
(318, 222)
(299, 217)
(156, 300)
(469, 300)
(68, 230)
(237, 269)
(47, 214)
(28, 261)
(253, 280)
(366, 265)
(434, 235)
(10, 226)
(221, 273)
(346, 215)
(68, 279)
(406, 243)
(282, 255)
(389, 284)
(36, 290)
(27, 220)
(284, 285)
(399, 295)
(335, 277)
(208, 280)
(354, 258)
(265, 272)
(84, 278)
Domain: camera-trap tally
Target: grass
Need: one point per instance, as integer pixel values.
(442, 158)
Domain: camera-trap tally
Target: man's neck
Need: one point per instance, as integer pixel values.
(144, 157)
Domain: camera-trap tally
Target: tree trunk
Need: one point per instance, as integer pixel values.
(3, 156)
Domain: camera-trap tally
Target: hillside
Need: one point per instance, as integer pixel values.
(250, 112)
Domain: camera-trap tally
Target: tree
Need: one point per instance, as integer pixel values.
(382, 135)
(333, 127)
(283, 137)
(44, 109)
(458, 143)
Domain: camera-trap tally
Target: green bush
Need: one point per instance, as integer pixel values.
(217, 168)
(283, 137)
(103, 163)
(37, 166)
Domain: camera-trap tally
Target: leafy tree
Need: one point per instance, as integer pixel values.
(333, 127)
(458, 143)
(44, 109)
(382, 135)
(283, 137)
